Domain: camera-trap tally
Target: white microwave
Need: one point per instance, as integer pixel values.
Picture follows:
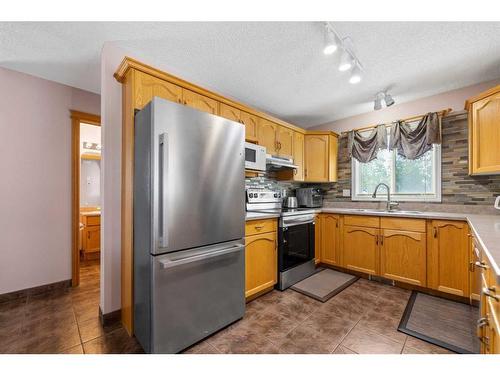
(255, 157)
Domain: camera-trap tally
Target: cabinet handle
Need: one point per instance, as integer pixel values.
(259, 227)
(376, 239)
(179, 100)
(435, 232)
(486, 292)
(185, 102)
(88, 235)
(471, 267)
(382, 239)
(481, 265)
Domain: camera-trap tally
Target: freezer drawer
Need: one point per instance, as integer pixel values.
(195, 293)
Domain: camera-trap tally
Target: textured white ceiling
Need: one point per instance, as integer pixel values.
(278, 67)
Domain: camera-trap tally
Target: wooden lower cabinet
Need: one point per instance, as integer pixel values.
(360, 250)
(403, 256)
(261, 259)
(330, 239)
(448, 257)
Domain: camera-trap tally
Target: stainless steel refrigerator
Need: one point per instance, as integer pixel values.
(189, 218)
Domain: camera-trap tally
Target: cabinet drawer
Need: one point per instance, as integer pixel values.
(412, 225)
(362, 221)
(93, 220)
(260, 226)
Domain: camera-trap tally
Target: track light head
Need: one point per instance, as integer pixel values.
(388, 100)
(355, 75)
(331, 42)
(345, 61)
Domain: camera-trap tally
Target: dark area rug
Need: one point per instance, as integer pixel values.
(449, 324)
(325, 284)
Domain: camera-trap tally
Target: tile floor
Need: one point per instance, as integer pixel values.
(62, 321)
(361, 319)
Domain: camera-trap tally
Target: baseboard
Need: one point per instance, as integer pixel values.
(109, 318)
(10, 296)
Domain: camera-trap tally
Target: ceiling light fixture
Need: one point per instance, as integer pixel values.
(382, 96)
(331, 41)
(355, 75)
(345, 61)
(348, 59)
(388, 100)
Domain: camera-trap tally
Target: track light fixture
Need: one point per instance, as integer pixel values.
(348, 60)
(382, 96)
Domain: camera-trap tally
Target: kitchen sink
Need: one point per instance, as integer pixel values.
(368, 210)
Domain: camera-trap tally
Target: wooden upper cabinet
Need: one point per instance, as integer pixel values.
(403, 256)
(298, 156)
(267, 136)
(146, 87)
(320, 157)
(448, 257)
(484, 133)
(316, 151)
(229, 112)
(251, 123)
(330, 239)
(285, 141)
(200, 102)
(360, 250)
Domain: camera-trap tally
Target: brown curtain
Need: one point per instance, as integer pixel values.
(412, 144)
(364, 149)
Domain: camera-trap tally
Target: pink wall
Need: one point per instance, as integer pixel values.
(452, 99)
(35, 182)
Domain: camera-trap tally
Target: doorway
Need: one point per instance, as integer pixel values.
(86, 198)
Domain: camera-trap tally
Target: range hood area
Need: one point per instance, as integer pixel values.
(279, 163)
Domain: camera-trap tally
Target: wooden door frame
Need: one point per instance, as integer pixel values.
(77, 117)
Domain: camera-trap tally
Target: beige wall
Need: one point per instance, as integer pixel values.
(35, 178)
(454, 99)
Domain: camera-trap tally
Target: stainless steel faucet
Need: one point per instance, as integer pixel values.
(390, 204)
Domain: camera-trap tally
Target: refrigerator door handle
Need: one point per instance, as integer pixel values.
(163, 180)
(165, 264)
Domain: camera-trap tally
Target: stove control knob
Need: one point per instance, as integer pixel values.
(275, 195)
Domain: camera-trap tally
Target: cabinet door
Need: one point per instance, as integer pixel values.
(200, 102)
(448, 257)
(92, 239)
(267, 137)
(229, 112)
(316, 157)
(251, 122)
(330, 239)
(403, 256)
(485, 135)
(317, 238)
(298, 156)
(146, 87)
(285, 142)
(261, 263)
(360, 249)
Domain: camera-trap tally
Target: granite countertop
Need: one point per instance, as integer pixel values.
(486, 228)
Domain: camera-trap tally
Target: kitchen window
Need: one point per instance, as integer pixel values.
(410, 180)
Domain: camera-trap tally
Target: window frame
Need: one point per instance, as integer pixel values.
(382, 194)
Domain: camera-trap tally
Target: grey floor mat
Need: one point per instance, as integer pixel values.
(442, 322)
(324, 285)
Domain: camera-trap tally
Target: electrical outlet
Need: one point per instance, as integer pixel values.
(346, 192)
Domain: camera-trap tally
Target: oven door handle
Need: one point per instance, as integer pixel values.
(295, 223)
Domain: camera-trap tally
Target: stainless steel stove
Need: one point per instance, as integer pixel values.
(295, 235)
